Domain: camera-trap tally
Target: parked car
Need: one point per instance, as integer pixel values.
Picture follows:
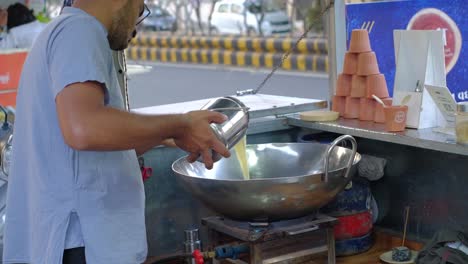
(159, 20)
(228, 18)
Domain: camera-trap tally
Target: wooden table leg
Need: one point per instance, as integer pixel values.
(331, 246)
(255, 254)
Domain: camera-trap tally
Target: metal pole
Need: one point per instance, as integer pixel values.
(336, 34)
(191, 243)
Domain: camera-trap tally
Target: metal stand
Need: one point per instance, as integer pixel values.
(276, 242)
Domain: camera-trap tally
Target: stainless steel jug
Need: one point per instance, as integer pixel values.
(235, 127)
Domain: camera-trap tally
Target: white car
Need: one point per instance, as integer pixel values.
(228, 18)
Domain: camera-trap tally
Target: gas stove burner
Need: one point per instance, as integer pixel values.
(298, 238)
(263, 222)
(253, 231)
(258, 230)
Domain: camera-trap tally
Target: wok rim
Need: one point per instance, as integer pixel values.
(357, 159)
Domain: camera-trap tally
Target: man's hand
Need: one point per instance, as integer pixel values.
(169, 143)
(198, 138)
(3, 17)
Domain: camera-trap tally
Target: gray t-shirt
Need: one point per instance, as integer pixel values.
(59, 197)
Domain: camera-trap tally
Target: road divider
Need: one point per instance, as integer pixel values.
(313, 46)
(299, 62)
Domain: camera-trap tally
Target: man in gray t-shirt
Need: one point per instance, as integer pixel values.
(74, 179)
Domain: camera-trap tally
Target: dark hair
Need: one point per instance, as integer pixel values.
(19, 14)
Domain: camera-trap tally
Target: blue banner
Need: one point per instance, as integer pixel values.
(384, 17)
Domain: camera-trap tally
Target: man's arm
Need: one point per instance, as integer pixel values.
(87, 124)
(167, 143)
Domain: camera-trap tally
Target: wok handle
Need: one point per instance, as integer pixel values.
(302, 231)
(330, 149)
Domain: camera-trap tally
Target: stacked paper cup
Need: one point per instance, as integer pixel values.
(359, 80)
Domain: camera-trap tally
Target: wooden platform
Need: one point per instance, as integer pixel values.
(384, 242)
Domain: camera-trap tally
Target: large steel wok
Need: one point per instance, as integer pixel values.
(287, 180)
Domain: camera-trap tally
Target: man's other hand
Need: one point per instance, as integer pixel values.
(198, 137)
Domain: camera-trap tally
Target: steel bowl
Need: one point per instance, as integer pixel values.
(287, 180)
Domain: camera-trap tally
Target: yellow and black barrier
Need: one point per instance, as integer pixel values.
(318, 46)
(301, 62)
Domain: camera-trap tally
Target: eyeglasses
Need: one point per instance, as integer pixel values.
(144, 14)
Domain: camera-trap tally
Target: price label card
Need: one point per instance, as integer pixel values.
(444, 101)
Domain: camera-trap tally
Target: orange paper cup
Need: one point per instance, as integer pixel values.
(338, 104)
(359, 41)
(352, 107)
(358, 86)
(343, 85)
(350, 63)
(367, 109)
(395, 118)
(367, 64)
(377, 85)
(379, 116)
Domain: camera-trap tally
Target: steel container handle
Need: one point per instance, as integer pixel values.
(330, 149)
